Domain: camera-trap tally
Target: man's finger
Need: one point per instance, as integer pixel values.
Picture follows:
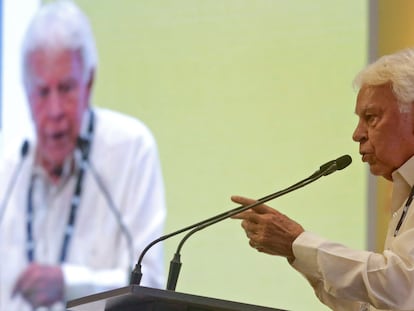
(242, 200)
(260, 209)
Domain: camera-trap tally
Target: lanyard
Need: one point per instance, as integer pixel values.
(74, 204)
(404, 212)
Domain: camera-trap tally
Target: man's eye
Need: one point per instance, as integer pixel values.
(43, 92)
(65, 88)
(371, 119)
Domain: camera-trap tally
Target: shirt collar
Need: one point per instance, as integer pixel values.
(69, 168)
(403, 181)
(406, 171)
(86, 119)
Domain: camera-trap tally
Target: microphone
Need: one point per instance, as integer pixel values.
(84, 147)
(24, 150)
(136, 274)
(324, 170)
(334, 165)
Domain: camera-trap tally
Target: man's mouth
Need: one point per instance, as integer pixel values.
(366, 158)
(57, 138)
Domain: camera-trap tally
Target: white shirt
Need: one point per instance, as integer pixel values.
(346, 279)
(124, 155)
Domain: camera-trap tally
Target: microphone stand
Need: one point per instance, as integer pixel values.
(83, 158)
(115, 211)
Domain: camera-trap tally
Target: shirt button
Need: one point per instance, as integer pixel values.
(394, 214)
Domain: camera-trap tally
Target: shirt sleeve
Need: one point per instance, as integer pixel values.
(343, 278)
(81, 279)
(147, 213)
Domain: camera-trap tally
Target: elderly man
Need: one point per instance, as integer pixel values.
(89, 195)
(343, 278)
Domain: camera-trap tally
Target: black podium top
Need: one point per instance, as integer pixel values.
(138, 298)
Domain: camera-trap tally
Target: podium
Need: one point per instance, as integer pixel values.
(139, 298)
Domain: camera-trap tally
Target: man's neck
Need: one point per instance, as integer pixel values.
(56, 171)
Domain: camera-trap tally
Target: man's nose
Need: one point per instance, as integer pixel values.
(360, 133)
(55, 105)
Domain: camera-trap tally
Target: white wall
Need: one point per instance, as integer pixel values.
(16, 123)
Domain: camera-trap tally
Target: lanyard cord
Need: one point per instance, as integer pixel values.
(404, 212)
(74, 204)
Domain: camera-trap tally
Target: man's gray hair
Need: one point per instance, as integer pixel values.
(57, 26)
(395, 69)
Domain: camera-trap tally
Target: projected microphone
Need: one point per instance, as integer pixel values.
(331, 166)
(324, 170)
(24, 149)
(84, 146)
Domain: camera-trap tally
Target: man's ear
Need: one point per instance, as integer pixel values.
(89, 85)
(91, 79)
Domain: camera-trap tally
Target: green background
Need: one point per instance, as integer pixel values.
(244, 97)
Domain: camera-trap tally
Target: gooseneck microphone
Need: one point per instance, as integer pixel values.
(24, 150)
(326, 169)
(84, 145)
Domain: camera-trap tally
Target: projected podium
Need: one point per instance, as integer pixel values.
(138, 298)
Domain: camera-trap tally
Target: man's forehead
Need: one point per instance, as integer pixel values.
(376, 93)
(372, 97)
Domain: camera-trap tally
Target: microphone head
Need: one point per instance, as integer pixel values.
(343, 162)
(336, 165)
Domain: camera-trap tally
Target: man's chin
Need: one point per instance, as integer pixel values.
(54, 158)
(378, 170)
